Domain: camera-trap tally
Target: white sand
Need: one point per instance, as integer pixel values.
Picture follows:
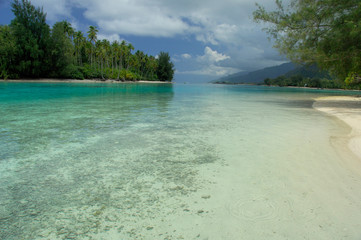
(301, 190)
(339, 106)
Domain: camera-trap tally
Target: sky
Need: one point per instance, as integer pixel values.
(206, 39)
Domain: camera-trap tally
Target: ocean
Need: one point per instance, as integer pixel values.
(173, 161)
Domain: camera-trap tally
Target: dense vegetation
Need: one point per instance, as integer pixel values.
(322, 32)
(300, 81)
(306, 76)
(29, 48)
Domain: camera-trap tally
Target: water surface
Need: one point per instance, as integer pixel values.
(162, 161)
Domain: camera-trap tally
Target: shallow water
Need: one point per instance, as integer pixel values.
(161, 161)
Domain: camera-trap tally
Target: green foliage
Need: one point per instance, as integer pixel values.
(300, 81)
(89, 72)
(31, 35)
(7, 51)
(353, 80)
(165, 70)
(267, 81)
(72, 71)
(326, 32)
(29, 48)
(62, 50)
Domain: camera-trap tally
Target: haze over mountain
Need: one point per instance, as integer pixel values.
(287, 69)
(259, 75)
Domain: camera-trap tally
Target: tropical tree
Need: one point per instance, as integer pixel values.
(114, 49)
(108, 52)
(165, 70)
(62, 50)
(68, 29)
(7, 51)
(29, 48)
(325, 32)
(152, 66)
(92, 36)
(118, 51)
(127, 55)
(31, 33)
(79, 44)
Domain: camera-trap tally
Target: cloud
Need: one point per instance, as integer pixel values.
(208, 64)
(212, 70)
(56, 10)
(110, 38)
(209, 21)
(186, 56)
(234, 41)
(211, 56)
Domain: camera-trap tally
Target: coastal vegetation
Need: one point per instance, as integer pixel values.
(326, 33)
(306, 76)
(286, 74)
(30, 48)
(299, 81)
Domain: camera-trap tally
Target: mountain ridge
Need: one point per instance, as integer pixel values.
(257, 76)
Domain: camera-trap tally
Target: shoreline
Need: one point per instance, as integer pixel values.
(296, 87)
(58, 80)
(348, 110)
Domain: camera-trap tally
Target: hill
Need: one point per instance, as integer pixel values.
(308, 72)
(258, 76)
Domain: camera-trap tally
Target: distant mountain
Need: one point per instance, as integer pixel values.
(259, 75)
(308, 72)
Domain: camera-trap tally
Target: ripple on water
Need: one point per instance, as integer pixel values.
(260, 208)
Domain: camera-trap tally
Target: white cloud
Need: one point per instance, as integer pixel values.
(226, 26)
(208, 64)
(211, 56)
(56, 10)
(212, 70)
(209, 21)
(110, 38)
(186, 56)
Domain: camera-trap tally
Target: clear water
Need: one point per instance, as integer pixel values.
(162, 161)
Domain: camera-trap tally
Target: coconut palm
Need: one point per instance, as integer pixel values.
(68, 29)
(79, 44)
(92, 36)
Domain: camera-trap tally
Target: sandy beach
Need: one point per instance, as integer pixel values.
(347, 109)
(56, 80)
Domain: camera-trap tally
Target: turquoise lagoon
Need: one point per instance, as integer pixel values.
(173, 161)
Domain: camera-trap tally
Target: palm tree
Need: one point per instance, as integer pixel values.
(68, 29)
(107, 51)
(127, 55)
(92, 36)
(139, 64)
(102, 53)
(114, 52)
(79, 44)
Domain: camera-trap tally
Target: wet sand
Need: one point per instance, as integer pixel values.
(347, 109)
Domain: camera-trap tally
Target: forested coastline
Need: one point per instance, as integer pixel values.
(324, 33)
(30, 48)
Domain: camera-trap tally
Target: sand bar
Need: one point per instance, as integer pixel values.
(347, 109)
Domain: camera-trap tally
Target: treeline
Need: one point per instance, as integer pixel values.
(326, 33)
(29, 48)
(300, 81)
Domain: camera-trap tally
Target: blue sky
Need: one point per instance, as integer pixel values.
(207, 39)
